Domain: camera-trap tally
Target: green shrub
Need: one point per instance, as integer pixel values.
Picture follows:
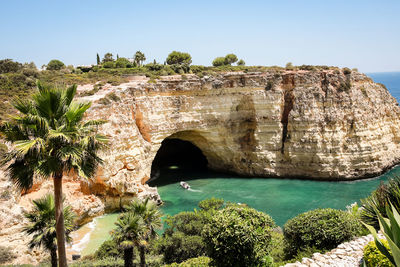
(107, 262)
(219, 61)
(179, 58)
(238, 236)
(6, 254)
(211, 204)
(108, 65)
(8, 65)
(198, 262)
(178, 247)
(241, 62)
(321, 228)
(55, 64)
(378, 199)
(373, 257)
(122, 63)
(109, 248)
(230, 58)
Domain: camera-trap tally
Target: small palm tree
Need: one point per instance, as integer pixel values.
(129, 232)
(151, 215)
(42, 225)
(51, 139)
(139, 58)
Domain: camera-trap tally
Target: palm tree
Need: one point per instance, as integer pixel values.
(129, 232)
(49, 140)
(149, 212)
(139, 58)
(43, 225)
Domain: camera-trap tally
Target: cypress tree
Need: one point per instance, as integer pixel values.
(98, 59)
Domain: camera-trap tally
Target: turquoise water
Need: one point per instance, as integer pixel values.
(280, 198)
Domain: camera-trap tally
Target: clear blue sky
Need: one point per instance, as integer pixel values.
(361, 34)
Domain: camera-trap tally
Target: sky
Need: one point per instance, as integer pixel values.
(352, 33)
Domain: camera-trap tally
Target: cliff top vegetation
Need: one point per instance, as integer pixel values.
(17, 80)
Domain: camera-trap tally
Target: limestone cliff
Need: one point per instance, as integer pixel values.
(308, 124)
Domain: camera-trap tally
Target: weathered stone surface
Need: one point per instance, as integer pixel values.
(308, 124)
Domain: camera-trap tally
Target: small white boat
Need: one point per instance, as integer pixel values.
(185, 185)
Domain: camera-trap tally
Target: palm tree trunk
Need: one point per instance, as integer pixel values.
(142, 256)
(60, 230)
(128, 256)
(53, 256)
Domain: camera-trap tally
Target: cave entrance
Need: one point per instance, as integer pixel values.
(176, 160)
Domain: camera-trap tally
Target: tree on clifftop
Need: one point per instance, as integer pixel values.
(98, 59)
(50, 139)
(139, 58)
(42, 225)
(55, 64)
(108, 57)
(179, 58)
(230, 58)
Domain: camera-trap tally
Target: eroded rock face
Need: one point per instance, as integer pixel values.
(308, 124)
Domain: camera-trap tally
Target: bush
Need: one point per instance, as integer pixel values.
(211, 204)
(109, 248)
(108, 65)
(55, 64)
(219, 61)
(378, 199)
(178, 247)
(122, 63)
(238, 236)
(230, 58)
(199, 262)
(241, 63)
(6, 254)
(373, 257)
(108, 262)
(322, 228)
(176, 57)
(7, 65)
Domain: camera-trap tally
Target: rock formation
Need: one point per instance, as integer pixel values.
(307, 124)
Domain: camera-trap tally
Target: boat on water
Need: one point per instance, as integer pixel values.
(185, 185)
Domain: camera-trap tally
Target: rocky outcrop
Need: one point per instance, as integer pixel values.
(307, 124)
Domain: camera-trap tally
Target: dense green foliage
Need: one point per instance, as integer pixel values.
(199, 262)
(219, 61)
(230, 58)
(139, 58)
(241, 62)
(108, 57)
(227, 60)
(238, 236)
(55, 64)
(379, 199)
(374, 258)
(123, 63)
(182, 238)
(7, 65)
(109, 248)
(179, 58)
(320, 228)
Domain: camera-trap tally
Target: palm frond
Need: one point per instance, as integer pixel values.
(23, 106)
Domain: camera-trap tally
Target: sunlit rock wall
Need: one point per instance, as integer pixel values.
(307, 124)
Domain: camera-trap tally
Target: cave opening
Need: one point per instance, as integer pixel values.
(176, 160)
